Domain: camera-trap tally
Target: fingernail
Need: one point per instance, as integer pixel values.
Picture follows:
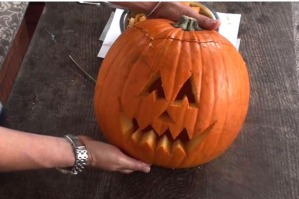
(147, 169)
(215, 21)
(216, 24)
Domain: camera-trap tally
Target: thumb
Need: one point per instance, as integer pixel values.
(203, 21)
(206, 22)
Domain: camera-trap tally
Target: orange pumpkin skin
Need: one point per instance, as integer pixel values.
(170, 97)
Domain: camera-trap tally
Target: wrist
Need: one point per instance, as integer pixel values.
(80, 155)
(85, 141)
(68, 154)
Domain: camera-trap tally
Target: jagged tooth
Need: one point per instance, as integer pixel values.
(160, 127)
(178, 154)
(174, 131)
(145, 112)
(127, 125)
(192, 144)
(190, 131)
(136, 137)
(163, 151)
(190, 120)
(148, 144)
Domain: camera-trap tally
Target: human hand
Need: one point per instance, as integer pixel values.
(110, 158)
(174, 10)
(170, 10)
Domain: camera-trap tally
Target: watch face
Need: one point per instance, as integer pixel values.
(82, 155)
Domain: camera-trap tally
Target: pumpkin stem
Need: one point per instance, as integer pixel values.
(187, 24)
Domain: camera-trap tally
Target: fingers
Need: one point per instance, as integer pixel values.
(110, 158)
(129, 165)
(175, 10)
(204, 21)
(126, 171)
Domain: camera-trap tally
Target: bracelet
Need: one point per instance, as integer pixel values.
(154, 9)
(81, 156)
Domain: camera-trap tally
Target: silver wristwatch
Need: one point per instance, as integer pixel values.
(81, 156)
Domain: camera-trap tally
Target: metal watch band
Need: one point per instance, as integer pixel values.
(81, 156)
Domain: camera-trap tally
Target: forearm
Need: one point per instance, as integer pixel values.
(170, 10)
(22, 151)
(137, 6)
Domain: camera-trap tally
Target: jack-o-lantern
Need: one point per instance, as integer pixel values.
(170, 95)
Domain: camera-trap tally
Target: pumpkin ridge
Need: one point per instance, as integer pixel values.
(168, 71)
(200, 89)
(221, 63)
(105, 76)
(101, 84)
(202, 84)
(151, 68)
(127, 82)
(210, 72)
(181, 74)
(226, 115)
(196, 83)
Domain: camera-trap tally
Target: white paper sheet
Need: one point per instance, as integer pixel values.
(107, 27)
(229, 27)
(112, 34)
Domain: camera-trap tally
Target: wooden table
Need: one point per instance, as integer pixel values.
(51, 97)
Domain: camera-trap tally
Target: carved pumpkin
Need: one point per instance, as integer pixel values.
(172, 97)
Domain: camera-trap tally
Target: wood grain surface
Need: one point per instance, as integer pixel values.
(51, 97)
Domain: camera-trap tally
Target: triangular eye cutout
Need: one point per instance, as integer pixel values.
(186, 90)
(157, 86)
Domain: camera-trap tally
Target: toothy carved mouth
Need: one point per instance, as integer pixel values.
(150, 138)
